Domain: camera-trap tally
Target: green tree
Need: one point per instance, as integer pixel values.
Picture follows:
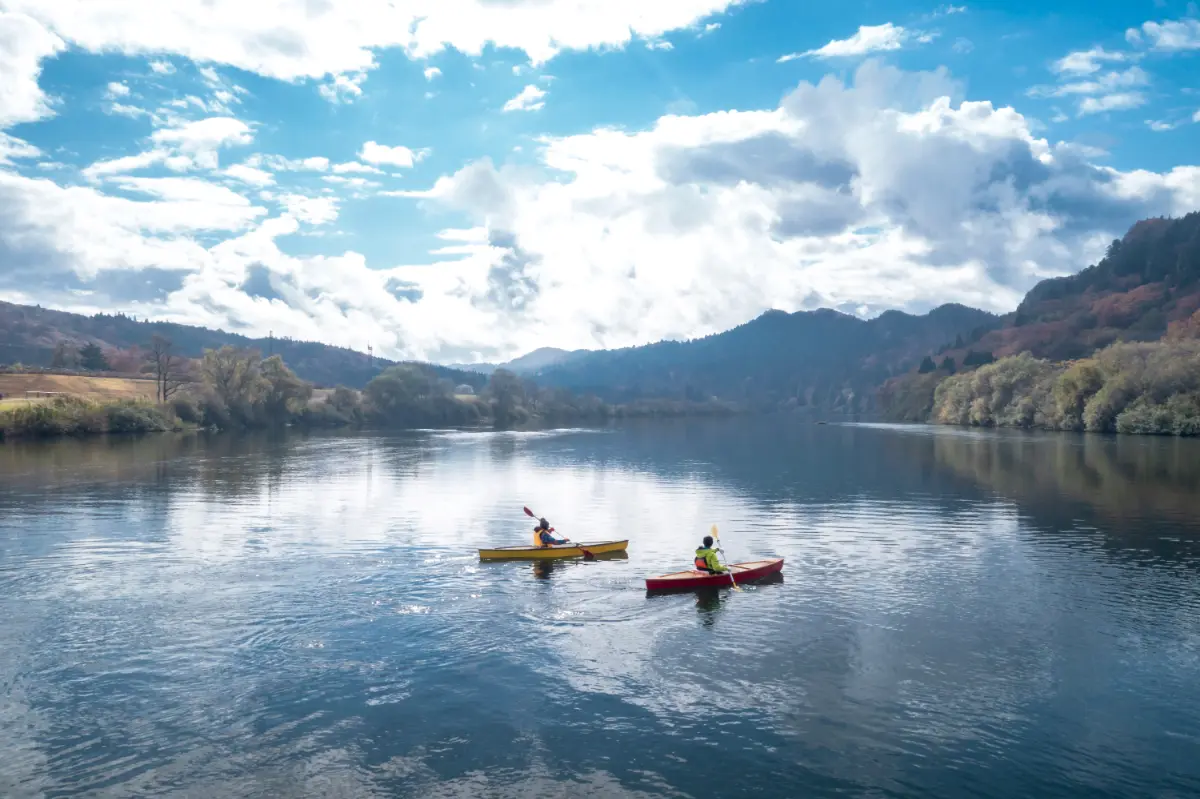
(283, 393)
(927, 366)
(234, 376)
(508, 396)
(948, 365)
(91, 358)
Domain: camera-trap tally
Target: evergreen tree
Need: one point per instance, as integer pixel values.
(927, 366)
(91, 357)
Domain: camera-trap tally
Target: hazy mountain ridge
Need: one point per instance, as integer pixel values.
(526, 364)
(810, 358)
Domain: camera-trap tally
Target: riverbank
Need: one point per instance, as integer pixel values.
(78, 417)
(1132, 388)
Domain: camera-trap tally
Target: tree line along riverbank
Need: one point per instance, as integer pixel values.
(1149, 387)
(231, 389)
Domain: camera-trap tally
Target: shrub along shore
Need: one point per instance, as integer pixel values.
(231, 389)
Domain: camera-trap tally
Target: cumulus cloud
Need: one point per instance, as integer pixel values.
(1168, 36)
(117, 89)
(375, 153)
(162, 67)
(867, 39)
(432, 72)
(529, 99)
(889, 192)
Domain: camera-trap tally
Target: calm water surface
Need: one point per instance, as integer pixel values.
(961, 614)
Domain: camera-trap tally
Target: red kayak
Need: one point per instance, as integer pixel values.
(742, 573)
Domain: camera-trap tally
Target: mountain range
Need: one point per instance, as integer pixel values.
(1147, 280)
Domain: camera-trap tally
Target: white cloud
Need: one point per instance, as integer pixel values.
(659, 44)
(316, 163)
(432, 72)
(340, 40)
(202, 138)
(1122, 101)
(1159, 126)
(529, 99)
(963, 45)
(1085, 62)
(116, 89)
(1101, 84)
(12, 147)
(128, 163)
(399, 155)
(1169, 36)
(882, 194)
(343, 88)
(123, 110)
(313, 210)
(23, 45)
(1196, 117)
(712, 27)
(162, 67)
(249, 174)
(867, 39)
(52, 235)
(947, 10)
(354, 166)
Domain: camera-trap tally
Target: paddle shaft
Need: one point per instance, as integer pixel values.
(732, 580)
(586, 553)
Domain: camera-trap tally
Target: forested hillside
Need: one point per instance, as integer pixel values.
(1115, 348)
(821, 359)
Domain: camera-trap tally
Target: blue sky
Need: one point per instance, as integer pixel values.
(471, 179)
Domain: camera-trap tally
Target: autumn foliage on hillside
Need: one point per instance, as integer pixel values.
(1115, 348)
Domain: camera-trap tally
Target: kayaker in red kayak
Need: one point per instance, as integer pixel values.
(542, 535)
(706, 558)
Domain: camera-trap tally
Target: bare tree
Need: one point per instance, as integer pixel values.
(168, 368)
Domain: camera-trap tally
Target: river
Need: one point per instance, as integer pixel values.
(962, 613)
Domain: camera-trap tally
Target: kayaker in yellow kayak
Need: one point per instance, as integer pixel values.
(542, 535)
(706, 558)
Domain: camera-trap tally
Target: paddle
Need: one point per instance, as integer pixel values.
(717, 538)
(587, 555)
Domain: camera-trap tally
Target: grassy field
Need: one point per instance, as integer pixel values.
(15, 386)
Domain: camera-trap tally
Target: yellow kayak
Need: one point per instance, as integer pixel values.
(560, 551)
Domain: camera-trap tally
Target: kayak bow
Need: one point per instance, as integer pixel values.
(558, 551)
(693, 578)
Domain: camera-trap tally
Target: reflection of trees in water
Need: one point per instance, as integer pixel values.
(1135, 484)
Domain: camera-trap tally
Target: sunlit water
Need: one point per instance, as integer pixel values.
(961, 614)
